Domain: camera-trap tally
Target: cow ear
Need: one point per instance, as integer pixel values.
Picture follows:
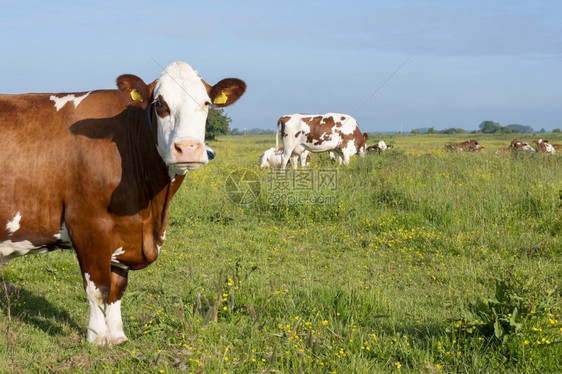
(135, 91)
(226, 92)
(365, 136)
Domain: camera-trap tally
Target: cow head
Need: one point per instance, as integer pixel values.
(178, 104)
(361, 144)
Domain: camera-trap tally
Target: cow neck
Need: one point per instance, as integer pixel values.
(150, 173)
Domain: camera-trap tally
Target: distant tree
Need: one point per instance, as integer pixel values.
(556, 130)
(543, 130)
(217, 123)
(490, 127)
(452, 130)
(431, 130)
(415, 131)
(521, 129)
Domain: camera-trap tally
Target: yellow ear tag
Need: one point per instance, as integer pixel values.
(221, 99)
(135, 96)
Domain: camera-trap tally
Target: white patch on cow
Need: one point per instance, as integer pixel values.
(10, 249)
(61, 101)
(182, 89)
(14, 224)
(114, 323)
(115, 262)
(163, 236)
(97, 328)
(549, 148)
(119, 251)
(348, 124)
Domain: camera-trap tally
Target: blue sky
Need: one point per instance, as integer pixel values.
(470, 61)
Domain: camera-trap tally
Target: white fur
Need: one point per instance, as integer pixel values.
(382, 145)
(114, 323)
(105, 323)
(14, 224)
(183, 90)
(115, 261)
(10, 249)
(61, 101)
(97, 328)
(272, 159)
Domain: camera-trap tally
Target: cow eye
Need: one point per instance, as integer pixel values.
(207, 103)
(157, 104)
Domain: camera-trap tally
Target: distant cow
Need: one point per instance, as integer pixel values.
(379, 147)
(95, 171)
(466, 146)
(320, 133)
(516, 145)
(544, 146)
(272, 158)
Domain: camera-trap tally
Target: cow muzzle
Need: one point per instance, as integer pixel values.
(189, 154)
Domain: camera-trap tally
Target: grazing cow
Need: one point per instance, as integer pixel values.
(320, 133)
(379, 147)
(272, 158)
(544, 146)
(466, 146)
(516, 145)
(95, 171)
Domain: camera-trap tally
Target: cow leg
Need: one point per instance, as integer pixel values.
(113, 320)
(285, 157)
(294, 161)
(96, 293)
(337, 158)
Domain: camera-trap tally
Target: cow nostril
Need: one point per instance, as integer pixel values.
(178, 149)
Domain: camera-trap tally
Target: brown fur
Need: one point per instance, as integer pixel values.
(469, 145)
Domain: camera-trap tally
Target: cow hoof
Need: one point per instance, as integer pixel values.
(99, 341)
(119, 340)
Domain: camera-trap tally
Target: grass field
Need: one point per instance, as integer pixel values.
(413, 260)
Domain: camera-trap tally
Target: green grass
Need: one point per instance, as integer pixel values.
(420, 260)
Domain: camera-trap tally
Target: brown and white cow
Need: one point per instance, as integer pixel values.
(95, 171)
(467, 146)
(320, 133)
(543, 146)
(515, 146)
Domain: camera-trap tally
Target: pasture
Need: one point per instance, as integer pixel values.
(412, 260)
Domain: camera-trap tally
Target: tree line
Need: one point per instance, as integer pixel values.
(218, 123)
(486, 127)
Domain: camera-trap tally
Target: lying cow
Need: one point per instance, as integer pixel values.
(516, 145)
(272, 158)
(320, 133)
(95, 171)
(466, 146)
(544, 146)
(379, 147)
